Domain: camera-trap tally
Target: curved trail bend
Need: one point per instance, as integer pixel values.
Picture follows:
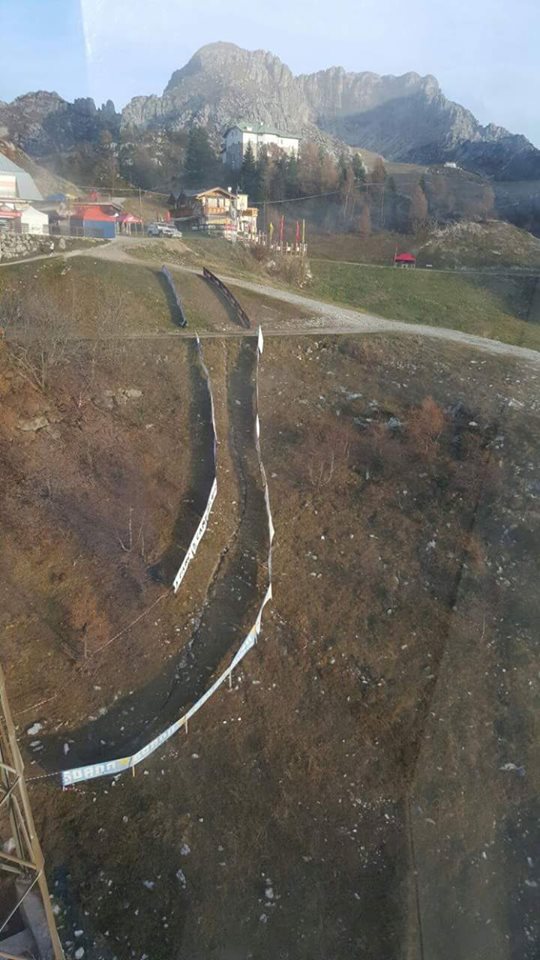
(232, 600)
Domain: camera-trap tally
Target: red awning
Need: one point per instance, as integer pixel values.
(94, 213)
(405, 258)
(10, 214)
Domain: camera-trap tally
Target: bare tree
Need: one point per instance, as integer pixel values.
(38, 332)
(418, 212)
(364, 222)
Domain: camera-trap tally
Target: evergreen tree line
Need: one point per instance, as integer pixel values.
(347, 197)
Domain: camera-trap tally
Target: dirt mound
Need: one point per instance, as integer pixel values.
(488, 244)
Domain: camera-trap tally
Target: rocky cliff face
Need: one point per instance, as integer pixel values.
(41, 123)
(405, 118)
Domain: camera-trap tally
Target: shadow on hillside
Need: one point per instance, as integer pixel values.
(201, 476)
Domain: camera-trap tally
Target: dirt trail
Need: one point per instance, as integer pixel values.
(228, 611)
(334, 319)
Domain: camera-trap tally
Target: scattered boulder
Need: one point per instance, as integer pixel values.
(33, 425)
(121, 395)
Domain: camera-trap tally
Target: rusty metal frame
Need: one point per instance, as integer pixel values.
(27, 862)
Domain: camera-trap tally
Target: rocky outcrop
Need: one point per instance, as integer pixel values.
(41, 123)
(405, 118)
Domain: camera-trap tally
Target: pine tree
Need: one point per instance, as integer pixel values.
(262, 190)
(378, 174)
(349, 194)
(106, 167)
(358, 168)
(248, 172)
(201, 161)
(418, 210)
(292, 176)
(279, 179)
(343, 167)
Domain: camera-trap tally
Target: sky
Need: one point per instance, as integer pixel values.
(483, 52)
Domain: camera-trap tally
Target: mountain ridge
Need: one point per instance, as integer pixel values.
(405, 118)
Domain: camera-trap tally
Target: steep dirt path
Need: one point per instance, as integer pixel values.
(233, 597)
(194, 503)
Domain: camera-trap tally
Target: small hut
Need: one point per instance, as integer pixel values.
(92, 220)
(130, 224)
(404, 260)
(34, 221)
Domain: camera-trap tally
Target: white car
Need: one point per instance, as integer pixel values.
(163, 230)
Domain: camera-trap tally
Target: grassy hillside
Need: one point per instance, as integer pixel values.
(98, 297)
(492, 244)
(371, 725)
(483, 305)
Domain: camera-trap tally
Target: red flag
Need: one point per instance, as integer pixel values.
(298, 231)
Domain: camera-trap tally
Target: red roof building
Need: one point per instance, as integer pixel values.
(91, 220)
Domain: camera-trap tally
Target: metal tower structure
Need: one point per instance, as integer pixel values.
(22, 873)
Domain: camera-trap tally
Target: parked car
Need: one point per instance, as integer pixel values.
(163, 230)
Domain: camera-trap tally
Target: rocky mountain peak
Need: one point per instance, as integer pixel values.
(404, 118)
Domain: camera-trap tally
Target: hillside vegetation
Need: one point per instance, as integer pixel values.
(401, 474)
(486, 306)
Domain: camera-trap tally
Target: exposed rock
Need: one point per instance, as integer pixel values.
(405, 118)
(43, 123)
(33, 425)
(121, 395)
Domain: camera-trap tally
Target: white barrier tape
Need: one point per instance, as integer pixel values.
(116, 767)
(203, 523)
(197, 537)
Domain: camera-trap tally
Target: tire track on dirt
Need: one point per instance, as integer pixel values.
(231, 602)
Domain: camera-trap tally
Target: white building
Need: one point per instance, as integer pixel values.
(237, 137)
(17, 192)
(16, 185)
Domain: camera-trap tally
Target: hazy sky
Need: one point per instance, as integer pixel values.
(485, 53)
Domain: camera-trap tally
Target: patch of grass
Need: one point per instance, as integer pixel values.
(484, 306)
(379, 248)
(83, 287)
